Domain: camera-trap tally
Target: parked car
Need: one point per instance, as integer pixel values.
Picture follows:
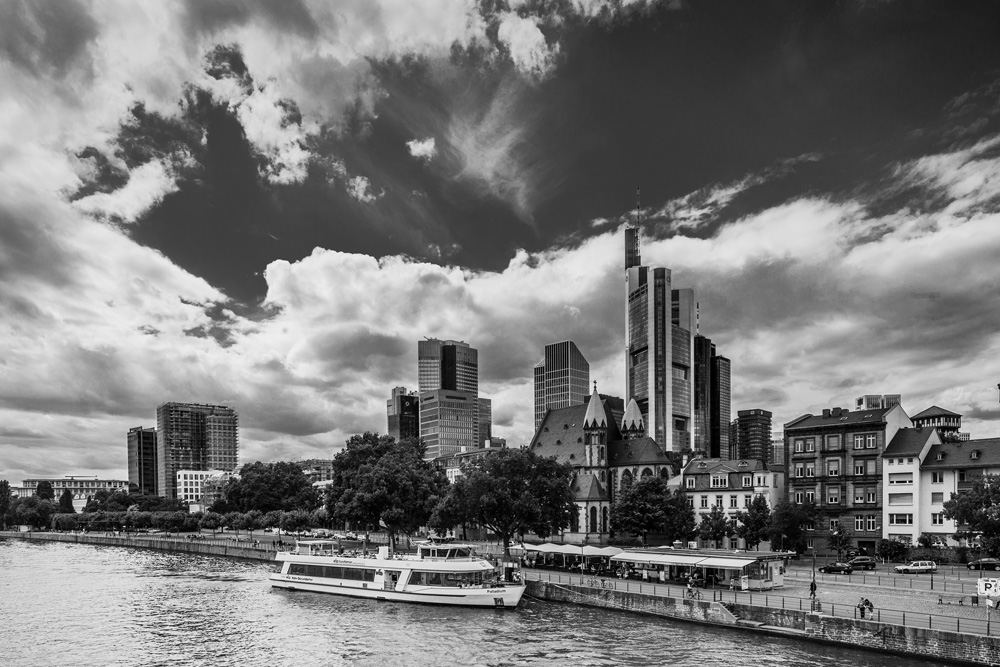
(985, 564)
(837, 568)
(916, 567)
(862, 563)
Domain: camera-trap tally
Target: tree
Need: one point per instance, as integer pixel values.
(45, 490)
(378, 481)
(977, 511)
(788, 525)
(753, 524)
(642, 508)
(266, 487)
(840, 539)
(211, 521)
(892, 550)
(513, 491)
(5, 499)
(66, 502)
(681, 522)
(32, 511)
(715, 526)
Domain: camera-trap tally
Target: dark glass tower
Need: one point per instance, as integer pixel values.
(142, 460)
(562, 379)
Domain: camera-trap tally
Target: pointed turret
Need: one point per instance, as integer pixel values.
(632, 424)
(595, 417)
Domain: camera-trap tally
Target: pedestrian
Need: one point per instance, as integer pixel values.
(812, 589)
(870, 607)
(862, 608)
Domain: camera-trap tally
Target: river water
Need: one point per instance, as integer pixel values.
(69, 604)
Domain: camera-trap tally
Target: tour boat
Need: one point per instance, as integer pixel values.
(449, 574)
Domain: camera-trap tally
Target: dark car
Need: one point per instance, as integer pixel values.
(985, 564)
(837, 568)
(862, 563)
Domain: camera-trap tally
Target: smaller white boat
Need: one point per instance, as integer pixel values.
(448, 574)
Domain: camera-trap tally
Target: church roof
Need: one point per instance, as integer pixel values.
(633, 417)
(640, 451)
(560, 435)
(595, 416)
(587, 487)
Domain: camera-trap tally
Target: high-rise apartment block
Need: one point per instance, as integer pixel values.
(142, 460)
(661, 364)
(193, 436)
(752, 430)
(450, 407)
(403, 414)
(562, 379)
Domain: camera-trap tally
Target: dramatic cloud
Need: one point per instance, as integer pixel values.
(423, 149)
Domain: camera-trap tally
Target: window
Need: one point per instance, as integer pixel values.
(719, 482)
(871, 496)
(834, 524)
(909, 460)
(870, 441)
(900, 519)
(809, 525)
(859, 442)
(691, 502)
(733, 502)
(718, 502)
(961, 475)
(937, 478)
(704, 502)
(810, 496)
(859, 522)
(811, 445)
(747, 500)
(689, 482)
(833, 497)
(810, 470)
(901, 478)
(832, 442)
(798, 497)
(871, 523)
(870, 466)
(809, 543)
(799, 445)
(833, 468)
(937, 519)
(859, 496)
(859, 467)
(747, 480)
(937, 498)
(799, 471)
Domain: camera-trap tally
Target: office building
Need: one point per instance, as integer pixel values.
(452, 415)
(753, 435)
(659, 336)
(142, 460)
(447, 364)
(82, 488)
(484, 422)
(403, 414)
(194, 436)
(712, 400)
(562, 379)
(449, 421)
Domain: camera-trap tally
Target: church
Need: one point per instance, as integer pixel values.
(609, 449)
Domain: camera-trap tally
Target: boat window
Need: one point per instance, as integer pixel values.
(446, 578)
(332, 572)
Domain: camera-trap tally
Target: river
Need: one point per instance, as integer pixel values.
(68, 604)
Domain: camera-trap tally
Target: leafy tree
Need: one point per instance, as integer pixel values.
(266, 487)
(788, 525)
(513, 491)
(272, 519)
(681, 521)
(66, 502)
(235, 520)
(378, 481)
(752, 525)
(892, 550)
(65, 521)
(5, 499)
(642, 508)
(715, 526)
(978, 512)
(254, 520)
(32, 511)
(319, 517)
(294, 521)
(211, 521)
(45, 490)
(840, 539)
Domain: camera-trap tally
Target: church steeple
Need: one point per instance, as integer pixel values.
(632, 424)
(595, 430)
(595, 418)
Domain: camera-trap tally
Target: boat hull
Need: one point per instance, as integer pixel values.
(505, 597)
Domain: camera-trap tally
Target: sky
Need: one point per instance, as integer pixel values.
(267, 204)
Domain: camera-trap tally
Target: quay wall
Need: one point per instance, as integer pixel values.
(159, 544)
(952, 647)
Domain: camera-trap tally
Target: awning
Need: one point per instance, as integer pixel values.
(731, 563)
(657, 559)
(572, 549)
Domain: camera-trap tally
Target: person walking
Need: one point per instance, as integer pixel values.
(812, 589)
(862, 608)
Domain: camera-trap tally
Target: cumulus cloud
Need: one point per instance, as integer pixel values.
(527, 45)
(422, 149)
(147, 185)
(360, 188)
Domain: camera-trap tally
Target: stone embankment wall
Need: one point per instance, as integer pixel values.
(952, 647)
(159, 544)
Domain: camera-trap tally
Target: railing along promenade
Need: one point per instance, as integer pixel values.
(768, 599)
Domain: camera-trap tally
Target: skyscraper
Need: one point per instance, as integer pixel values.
(448, 375)
(753, 435)
(562, 379)
(721, 405)
(194, 436)
(142, 460)
(659, 352)
(403, 414)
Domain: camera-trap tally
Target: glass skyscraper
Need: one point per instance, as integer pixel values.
(452, 415)
(142, 460)
(562, 379)
(193, 436)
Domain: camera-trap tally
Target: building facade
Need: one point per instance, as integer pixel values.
(447, 364)
(752, 433)
(142, 460)
(194, 436)
(834, 461)
(562, 378)
(403, 414)
(452, 414)
(83, 488)
(449, 421)
(191, 483)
